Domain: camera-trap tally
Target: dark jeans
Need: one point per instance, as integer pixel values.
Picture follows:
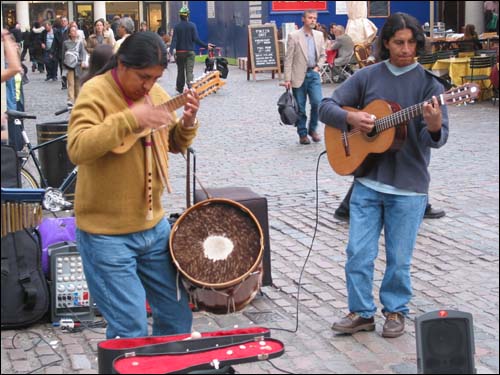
(51, 64)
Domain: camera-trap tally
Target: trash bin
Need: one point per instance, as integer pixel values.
(54, 158)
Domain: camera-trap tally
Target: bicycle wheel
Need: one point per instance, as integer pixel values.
(28, 181)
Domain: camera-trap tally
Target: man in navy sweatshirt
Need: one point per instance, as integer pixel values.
(183, 40)
(392, 194)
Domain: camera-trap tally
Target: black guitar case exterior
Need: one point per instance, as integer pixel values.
(25, 296)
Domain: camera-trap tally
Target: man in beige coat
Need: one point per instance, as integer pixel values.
(305, 53)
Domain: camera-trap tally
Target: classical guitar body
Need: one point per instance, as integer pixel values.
(351, 152)
(347, 155)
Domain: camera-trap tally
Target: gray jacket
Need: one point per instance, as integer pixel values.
(345, 47)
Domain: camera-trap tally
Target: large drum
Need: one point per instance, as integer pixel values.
(217, 246)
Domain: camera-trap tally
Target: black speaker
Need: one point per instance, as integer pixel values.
(445, 343)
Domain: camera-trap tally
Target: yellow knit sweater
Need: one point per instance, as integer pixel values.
(110, 191)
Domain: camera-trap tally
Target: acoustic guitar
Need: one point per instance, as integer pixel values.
(348, 151)
(203, 86)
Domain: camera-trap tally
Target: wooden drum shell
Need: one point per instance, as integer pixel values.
(225, 285)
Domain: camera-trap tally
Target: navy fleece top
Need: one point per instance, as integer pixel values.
(407, 168)
(185, 36)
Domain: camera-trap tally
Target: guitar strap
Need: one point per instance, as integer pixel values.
(446, 83)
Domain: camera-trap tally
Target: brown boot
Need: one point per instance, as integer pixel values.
(394, 325)
(353, 323)
(304, 140)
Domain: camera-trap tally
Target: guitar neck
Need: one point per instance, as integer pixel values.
(400, 117)
(175, 103)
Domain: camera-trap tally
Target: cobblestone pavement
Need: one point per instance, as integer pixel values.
(241, 143)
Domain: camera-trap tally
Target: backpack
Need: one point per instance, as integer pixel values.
(71, 57)
(492, 25)
(222, 66)
(219, 63)
(209, 64)
(25, 296)
(288, 108)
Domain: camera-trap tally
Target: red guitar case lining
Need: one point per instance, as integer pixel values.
(203, 359)
(108, 350)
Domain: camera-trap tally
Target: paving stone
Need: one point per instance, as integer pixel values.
(404, 368)
(21, 367)
(80, 362)
(17, 354)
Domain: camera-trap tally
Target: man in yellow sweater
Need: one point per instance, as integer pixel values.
(122, 233)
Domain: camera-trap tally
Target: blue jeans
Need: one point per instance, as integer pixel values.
(401, 216)
(311, 87)
(122, 271)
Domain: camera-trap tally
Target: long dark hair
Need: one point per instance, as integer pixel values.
(470, 32)
(100, 57)
(396, 22)
(139, 51)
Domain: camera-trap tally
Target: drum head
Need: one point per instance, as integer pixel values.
(217, 243)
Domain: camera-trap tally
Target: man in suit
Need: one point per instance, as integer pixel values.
(305, 53)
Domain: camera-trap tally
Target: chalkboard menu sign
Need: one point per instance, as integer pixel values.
(263, 49)
(378, 8)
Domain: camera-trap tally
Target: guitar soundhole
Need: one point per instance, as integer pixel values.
(373, 133)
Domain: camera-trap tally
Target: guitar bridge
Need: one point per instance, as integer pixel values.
(345, 141)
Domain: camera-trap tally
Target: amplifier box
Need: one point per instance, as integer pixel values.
(70, 297)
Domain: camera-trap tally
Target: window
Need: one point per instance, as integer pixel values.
(154, 16)
(9, 15)
(378, 9)
(123, 9)
(84, 16)
(47, 11)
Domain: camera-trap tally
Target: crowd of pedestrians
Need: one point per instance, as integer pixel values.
(48, 47)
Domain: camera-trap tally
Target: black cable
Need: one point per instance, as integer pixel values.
(308, 253)
(279, 369)
(83, 324)
(304, 266)
(34, 345)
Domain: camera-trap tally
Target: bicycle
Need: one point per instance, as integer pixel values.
(54, 199)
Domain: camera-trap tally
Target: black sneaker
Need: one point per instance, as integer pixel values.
(433, 213)
(341, 214)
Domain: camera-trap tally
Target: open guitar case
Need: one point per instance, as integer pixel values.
(208, 352)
